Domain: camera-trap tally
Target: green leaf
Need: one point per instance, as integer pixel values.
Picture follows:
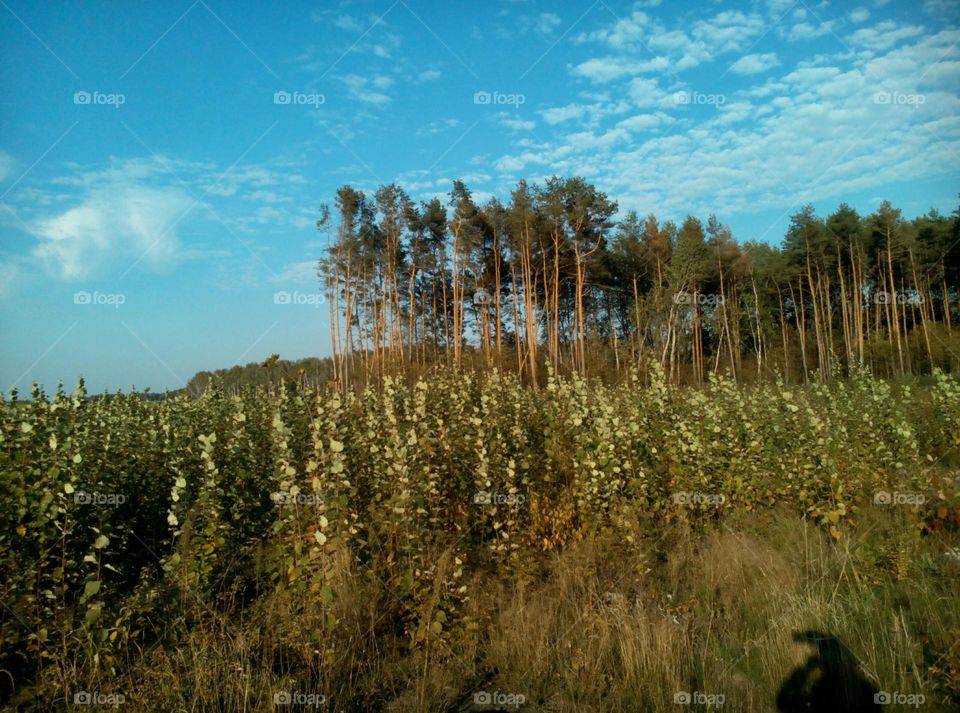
(91, 588)
(93, 613)
(101, 542)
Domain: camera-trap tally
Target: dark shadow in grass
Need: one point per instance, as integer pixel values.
(829, 680)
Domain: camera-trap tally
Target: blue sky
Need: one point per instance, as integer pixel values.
(161, 165)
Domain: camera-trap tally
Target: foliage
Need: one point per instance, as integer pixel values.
(129, 523)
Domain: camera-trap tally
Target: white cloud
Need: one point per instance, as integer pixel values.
(729, 31)
(547, 22)
(641, 122)
(9, 274)
(345, 22)
(647, 93)
(607, 69)
(941, 8)
(755, 63)
(7, 164)
(517, 124)
(672, 49)
(588, 140)
(247, 179)
(626, 33)
(428, 75)
(367, 34)
(297, 273)
(884, 35)
(360, 89)
(779, 7)
(438, 126)
(808, 30)
(113, 224)
(557, 115)
(268, 197)
(811, 130)
(602, 106)
(512, 164)
(859, 14)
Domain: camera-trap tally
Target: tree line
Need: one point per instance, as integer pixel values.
(551, 275)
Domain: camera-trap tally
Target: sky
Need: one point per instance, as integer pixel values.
(162, 165)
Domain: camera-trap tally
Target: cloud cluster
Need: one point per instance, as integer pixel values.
(112, 225)
(879, 104)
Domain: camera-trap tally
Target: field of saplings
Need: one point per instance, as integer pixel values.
(465, 542)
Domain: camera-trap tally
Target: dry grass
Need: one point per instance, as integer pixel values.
(602, 626)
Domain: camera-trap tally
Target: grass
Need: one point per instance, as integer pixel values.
(603, 625)
(594, 589)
